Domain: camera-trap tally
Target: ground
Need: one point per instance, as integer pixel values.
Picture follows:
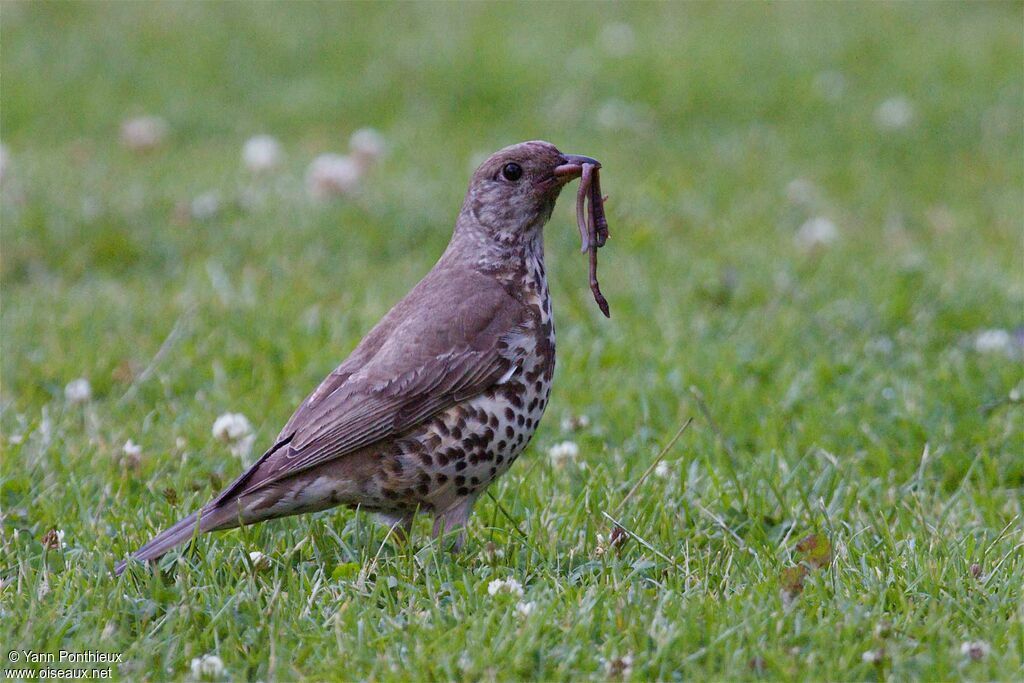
(816, 254)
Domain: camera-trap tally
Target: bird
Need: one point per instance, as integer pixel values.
(442, 395)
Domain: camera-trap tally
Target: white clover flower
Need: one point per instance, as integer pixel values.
(993, 341)
(816, 232)
(525, 609)
(143, 133)
(510, 586)
(234, 429)
(662, 470)
(873, 656)
(975, 649)
(894, 113)
(262, 153)
(131, 449)
(205, 206)
(78, 391)
(231, 427)
(562, 453)
(618, 39)
(208, 666)
(574, 423)
(332, 175)
(366, 146)
(259, 560)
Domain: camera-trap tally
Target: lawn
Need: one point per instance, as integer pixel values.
(817, 255)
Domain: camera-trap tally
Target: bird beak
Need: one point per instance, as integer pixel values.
(572, 166)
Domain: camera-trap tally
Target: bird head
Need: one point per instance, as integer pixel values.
(512, 193)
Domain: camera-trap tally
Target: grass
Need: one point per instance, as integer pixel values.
(836, 390)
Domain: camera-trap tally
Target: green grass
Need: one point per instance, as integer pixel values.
(828, 373)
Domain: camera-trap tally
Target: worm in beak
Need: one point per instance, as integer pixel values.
(590, 216)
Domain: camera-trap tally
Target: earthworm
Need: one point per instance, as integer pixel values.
(593, 226)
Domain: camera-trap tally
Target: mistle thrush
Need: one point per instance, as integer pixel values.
(442, 396)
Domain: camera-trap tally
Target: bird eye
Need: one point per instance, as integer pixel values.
(512, 171)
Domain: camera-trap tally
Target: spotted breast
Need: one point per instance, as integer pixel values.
(445, 463)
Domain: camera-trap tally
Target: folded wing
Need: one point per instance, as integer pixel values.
(420, 359)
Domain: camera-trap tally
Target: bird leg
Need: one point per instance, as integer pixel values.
(453, 520)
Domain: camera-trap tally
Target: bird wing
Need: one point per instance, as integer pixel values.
(452, 337)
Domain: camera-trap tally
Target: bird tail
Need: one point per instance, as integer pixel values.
(197, 523)
(217, 514)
